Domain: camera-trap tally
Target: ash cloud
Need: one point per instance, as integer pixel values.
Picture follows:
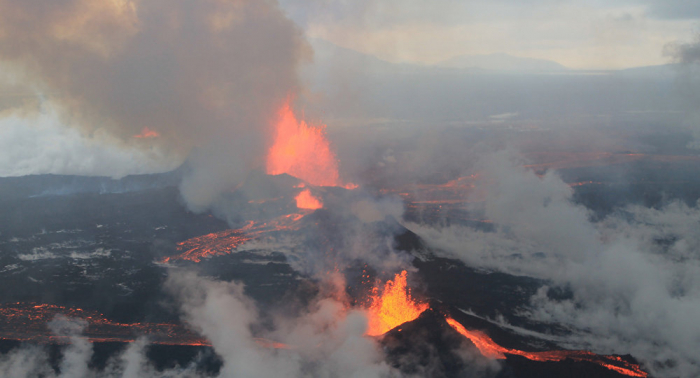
(634, 276)
(206, 75)
(687, 56)
(685, 53)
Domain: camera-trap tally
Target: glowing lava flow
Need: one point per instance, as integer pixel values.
(28, 322)
(303, 151)
(209, 245)
(488, 348)
(225, 242)
(393, 307)
(306, 200)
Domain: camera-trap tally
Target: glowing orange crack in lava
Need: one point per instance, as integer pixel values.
(489, 349)
(147, 133)
(28, 322)
(303, 151)
(393, 307)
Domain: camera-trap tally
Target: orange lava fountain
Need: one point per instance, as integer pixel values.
(303, 151)
(489, 349)
(306, 200)
(393, 307)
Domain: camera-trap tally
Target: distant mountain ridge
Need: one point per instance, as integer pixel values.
(329, 57)
(501, 62)
(49, 185)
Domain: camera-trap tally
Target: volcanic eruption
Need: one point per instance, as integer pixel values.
(304, 153)
(247, 258)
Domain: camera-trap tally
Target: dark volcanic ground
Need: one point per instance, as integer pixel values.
(95, 243)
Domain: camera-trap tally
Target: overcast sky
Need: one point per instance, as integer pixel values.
(591, 34)
(579, 34)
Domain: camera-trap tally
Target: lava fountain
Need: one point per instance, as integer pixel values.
(393, 307)
(303, 151)
(306, 200)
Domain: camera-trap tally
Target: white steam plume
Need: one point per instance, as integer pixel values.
(327, 341)
(635, 277)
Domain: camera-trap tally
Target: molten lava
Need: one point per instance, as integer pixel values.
(265, 343)
(225, 242)
(28, 322)
(209, 245)
(147, 133)
(306, 200)
(584, 183)
(393, 307)
(303, 151)
(488, 348)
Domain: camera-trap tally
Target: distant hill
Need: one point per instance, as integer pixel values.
(501, 62)
(331, 57)
(357, 87)
(50, 185)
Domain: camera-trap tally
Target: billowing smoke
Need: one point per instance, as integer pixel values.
(633, 278)
(207, 76)
(687, 55)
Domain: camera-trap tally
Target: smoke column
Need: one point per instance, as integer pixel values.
(206, 76)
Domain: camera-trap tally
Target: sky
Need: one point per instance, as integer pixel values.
(579, 34)
(108, 71)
